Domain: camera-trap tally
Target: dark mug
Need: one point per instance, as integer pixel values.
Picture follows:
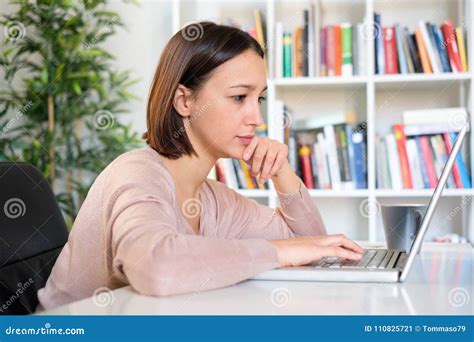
(401, 224)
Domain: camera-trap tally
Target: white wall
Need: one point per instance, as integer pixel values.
(138, 48)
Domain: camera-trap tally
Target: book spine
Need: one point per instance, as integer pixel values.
(359, 159)
(414, 162)
(425, 62)
(428, 159)
(378, 41)
(314, 165)
(305, 43)
(361, 50)
(424, 170)
(330, 138)
(331, 51)
(441, 49)
(402, 59)
(394, 162)
(434, 47)
(405, 36)
(428, 46)
(304, 153)
(461, 48)
(391, 65)
(415, 52)
(298, 52)
(323, 68)
(455, 169)
(444, 157)
(346, 36)
(466, 182)
(287, 72)
(450, 41)
(337, 50)
(400, 138)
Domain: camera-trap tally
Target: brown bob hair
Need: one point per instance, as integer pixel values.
(188, 59)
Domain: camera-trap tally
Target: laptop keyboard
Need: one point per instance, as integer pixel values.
(372, 258)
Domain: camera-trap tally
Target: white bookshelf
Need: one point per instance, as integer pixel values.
(378, 99)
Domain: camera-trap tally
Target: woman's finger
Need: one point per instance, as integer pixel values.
(249, 150)
(348, 243)
(270, 159)
(258, 156)
(334, 251)
(280, 159)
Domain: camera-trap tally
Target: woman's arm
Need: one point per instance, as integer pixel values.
(245, 218)
(297, 214)
(157, 260)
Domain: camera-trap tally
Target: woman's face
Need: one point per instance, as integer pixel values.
(228, 106)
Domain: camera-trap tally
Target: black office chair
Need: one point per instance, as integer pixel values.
(32, 234)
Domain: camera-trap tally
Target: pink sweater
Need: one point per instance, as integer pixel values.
(130, 231)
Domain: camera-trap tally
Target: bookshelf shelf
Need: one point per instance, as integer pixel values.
(321, 81)
(423, 193)
(421, 78)
(337, 193)
(377, 99)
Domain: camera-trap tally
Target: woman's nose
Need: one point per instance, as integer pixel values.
(255, 117)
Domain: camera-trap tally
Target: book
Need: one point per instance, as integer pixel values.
(451, 45)
(346, 49)
(393, 162)
(400, 139)
(425, 62)
(461, 48)
(402, 59)
(391, 64)
(287, 53)
(379, 46)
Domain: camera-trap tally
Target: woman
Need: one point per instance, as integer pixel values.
(153, 221)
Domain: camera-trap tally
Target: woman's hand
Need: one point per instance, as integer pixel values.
(306, 249)
(265, 156)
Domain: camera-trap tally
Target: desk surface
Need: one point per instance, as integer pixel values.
(440, 283)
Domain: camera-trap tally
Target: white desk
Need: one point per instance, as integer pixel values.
(440, 283)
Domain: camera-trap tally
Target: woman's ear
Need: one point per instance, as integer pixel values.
(183, 100)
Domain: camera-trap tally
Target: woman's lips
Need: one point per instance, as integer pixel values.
(246, 139)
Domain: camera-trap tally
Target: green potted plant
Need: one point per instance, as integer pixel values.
(62, 99)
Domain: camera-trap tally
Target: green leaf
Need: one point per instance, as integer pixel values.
(76, 87)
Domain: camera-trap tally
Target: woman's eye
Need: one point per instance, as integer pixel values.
(261, 99)
(238, 98)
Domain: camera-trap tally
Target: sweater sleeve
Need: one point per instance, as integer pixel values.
(158, 260)
(297, 215)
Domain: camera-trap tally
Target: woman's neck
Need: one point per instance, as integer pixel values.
(189, 172)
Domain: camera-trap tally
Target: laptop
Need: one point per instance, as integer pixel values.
(376, 265)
